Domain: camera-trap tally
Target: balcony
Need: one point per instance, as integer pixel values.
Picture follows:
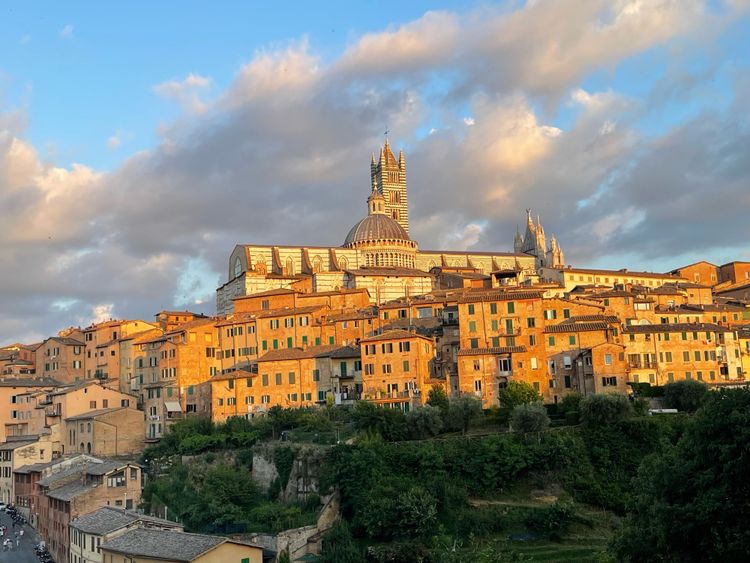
(53, 411)
(385, 395)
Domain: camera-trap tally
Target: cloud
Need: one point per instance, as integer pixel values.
(67, 32)
(185, 92)
(114, 142)
(496, 115)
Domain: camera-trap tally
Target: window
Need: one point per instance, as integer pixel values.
(406, 366)
(471, 308)
(504, 365)
(292, 378)
(567, 362)
(316, 375)
(478, 385)
(550, 314)
(477, 365)
(608, 359)
(532, 340)
(386, 368)
(472, 326)
(531, 322)
(572, 339)
(264, 379)
(534, 363)
(474, 343)
(686, 356)
(278, 378)
(493, 308)
(566, 313)
(274, 323)
(404, 346)
(551, 340)
(386, 348)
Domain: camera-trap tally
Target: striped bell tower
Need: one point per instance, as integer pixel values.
(388, 176)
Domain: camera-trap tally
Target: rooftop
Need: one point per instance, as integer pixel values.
(109, 518)
(162, 544)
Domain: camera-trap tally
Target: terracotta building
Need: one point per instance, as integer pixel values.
(15, 453)
(19, 415)
(62, 358)
(397, 368)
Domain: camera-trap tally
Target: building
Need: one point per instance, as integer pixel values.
(16, 452)
(107, 432)
(702, 272)
(398, 368)
(102, 348)
(18, 414)
(735, 272)
(663, 353)
(144, 545)
(132, 358)
(80, 488)
(90, 531)
(61, 357)
(377, 254)
(174, 363)
(534, 243)
(170, 320)
(570, 278)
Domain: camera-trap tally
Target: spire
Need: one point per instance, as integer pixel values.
(401, 159)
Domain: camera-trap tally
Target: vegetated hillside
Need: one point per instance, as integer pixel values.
(449, 483)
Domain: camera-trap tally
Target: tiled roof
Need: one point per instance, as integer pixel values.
(396, 334)
(94, 413)
(623, 272)
(586, 318)
(675, 327)
(578, 326)
(71, 490)
(68, 341)
(491, 351)
(29, 382)
(267, 293)
(500, 295)
(288, 311)
(109, 518)
(6, 446)
(297, 353)
(162, 544)
(346, 352)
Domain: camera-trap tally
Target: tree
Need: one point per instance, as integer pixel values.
(518, 393)
(437, 397)
(686, 395)
(339, 546)
(462, 411)
(529, 418)
(603, 409)
(425, 422)
(417, 512)
(693, 500)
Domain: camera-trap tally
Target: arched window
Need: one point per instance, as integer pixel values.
(289, 267)
(317, 264)
(237, 267)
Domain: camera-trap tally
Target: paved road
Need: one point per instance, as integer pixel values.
(24, 553)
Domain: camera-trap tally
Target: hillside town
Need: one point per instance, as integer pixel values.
(375, 319)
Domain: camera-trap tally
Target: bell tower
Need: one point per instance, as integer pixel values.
(388, 177)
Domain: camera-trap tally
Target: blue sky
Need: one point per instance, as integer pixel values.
(139, 142)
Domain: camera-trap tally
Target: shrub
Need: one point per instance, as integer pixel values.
(339, 546)
(603, 409)
(554, 521)
(529, 418)
(686, 395)
(518, 393)
(438, 398)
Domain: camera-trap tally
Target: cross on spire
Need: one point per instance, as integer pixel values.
(386, 134)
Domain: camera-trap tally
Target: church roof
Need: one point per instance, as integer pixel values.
(376, 227)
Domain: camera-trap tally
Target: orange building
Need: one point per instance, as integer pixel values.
(19, 415)
(103, 349)
(397, 368)
(735, 272)
(663, 353)
(701, 272)
(62, 357)
(174, 363)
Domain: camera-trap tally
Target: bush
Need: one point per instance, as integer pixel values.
(438, 398)
(339, 546)
(603, 409)
(529, 418)
(686, 395)
(554, 521)
(518, 393)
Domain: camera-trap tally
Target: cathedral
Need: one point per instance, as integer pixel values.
(534, 243)
(378, 253)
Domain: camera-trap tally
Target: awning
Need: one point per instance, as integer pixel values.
(173, 406)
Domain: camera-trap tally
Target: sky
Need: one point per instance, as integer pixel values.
(139, 142)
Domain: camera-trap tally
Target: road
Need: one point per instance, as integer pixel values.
(24, 553)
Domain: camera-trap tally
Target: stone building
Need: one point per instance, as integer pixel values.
(534, 243)
(62, 357)
(377, 254)
(106, 432)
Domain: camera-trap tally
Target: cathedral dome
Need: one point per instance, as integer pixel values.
(377, 226)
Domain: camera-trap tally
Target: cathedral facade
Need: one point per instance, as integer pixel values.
(377, 253)
(534, 243)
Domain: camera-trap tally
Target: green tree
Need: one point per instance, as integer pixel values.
(437, 397)
(686, 395)
(425, 422)
(518, 393)
(339, 546)
(417, 512)
(389, 423)
(463, 411)
(529, 418)
(693, 499)
(603, 409)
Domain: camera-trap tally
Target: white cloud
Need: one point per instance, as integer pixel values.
(186, 92)
(114, 142)
(102, 312)
(67, 32)
(469, 121)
